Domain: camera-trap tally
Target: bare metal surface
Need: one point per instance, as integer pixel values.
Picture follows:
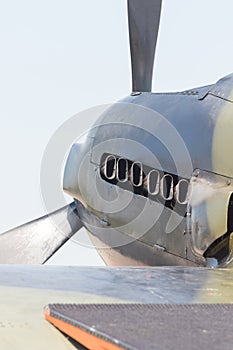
(38, 240)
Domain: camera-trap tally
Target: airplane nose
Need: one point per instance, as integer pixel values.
(77, 166)
(72, 165)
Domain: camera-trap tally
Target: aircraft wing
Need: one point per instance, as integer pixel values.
(127, 308)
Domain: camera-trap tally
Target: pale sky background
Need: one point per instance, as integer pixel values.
(59, 57)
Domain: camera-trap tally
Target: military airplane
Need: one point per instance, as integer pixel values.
(145, 189)
(152, 184)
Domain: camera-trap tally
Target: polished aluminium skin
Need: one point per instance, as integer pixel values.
(152, 180)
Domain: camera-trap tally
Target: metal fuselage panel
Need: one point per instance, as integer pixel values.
(172, 133)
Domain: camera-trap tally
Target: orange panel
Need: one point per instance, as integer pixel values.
(86, 339)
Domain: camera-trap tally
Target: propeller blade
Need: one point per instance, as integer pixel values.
(144, 18)
(36, 241)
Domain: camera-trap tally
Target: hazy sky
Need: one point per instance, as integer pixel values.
(60, 57)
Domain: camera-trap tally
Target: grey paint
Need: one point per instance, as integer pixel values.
(172, 132)
(26, 290)
(144, 18)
